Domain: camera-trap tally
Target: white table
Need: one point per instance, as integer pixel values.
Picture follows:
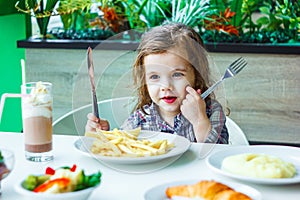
(119, 185)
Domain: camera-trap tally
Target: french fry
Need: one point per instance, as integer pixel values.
(121, 143)
(134, 132)
(125, 149)
(111, 136)
(97, 135)
(130, 135)
(156, 144)
(100, 147)
(117, 140)
(142, 146)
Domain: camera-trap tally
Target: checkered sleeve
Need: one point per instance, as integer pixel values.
(135, 120)
(218, 133)
(132, 122)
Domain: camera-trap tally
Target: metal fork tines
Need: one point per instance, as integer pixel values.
(235, 67)
(232, 70)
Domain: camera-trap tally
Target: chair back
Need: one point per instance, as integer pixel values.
(116, 111)
(236, 135)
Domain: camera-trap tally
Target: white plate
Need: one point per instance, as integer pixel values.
(286, 153)
(181, 145)
(78, 195)
(158, 192)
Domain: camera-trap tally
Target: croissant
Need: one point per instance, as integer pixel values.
(209, 190)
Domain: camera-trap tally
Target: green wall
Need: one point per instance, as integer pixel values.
(12, 28)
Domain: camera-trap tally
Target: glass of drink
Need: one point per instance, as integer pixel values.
(37, 120)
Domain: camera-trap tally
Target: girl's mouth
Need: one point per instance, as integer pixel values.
(169, 99)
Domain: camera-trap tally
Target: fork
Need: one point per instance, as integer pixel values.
(232, 70)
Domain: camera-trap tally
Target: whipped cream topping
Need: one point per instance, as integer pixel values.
(39, 95)
(37, 111)
(38, 103)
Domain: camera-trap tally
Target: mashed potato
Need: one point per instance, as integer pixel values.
(258, 166)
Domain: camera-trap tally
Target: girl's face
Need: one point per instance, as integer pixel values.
(167, 76)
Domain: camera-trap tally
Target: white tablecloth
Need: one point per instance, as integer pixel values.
(118, 185)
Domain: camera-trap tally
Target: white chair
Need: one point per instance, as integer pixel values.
(236, 135)
(116, 111)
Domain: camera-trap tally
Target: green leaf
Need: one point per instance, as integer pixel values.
(89, 181)
(66, 20)
(31, 3)
(191, 13)
(263, 21)
(50, 4)
(219, 4)
(236, 6)
(265, 9)
(285, 17)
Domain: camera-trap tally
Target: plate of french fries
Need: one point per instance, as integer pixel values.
(131, 146)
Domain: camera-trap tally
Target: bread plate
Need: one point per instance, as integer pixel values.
(158, 192)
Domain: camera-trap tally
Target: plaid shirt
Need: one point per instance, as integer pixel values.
(153, 122)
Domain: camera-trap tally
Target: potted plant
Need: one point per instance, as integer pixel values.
(223, 25)
(43, 10)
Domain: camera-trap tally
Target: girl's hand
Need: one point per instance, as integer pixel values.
(94, 123)
(193, 109)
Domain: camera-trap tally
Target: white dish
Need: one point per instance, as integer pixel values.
(181, 145)
(78, 195)
(158, 192)
(286, 153)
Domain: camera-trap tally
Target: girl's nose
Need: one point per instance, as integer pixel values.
(166, 85)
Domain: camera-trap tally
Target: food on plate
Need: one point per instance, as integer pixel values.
(3, 169)
(258, 166)
(61, 180)
(206, 189)
(125, 143)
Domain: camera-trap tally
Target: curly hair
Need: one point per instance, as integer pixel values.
(178, 39)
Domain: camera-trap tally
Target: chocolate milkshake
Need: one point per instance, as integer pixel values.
(37, 121)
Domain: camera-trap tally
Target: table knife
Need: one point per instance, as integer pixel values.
(91, 75)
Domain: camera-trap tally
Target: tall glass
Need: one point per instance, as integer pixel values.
(37, 120)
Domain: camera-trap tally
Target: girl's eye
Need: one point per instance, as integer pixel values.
(154, 76)
(178, 74)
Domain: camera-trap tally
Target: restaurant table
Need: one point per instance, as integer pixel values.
(117, 184)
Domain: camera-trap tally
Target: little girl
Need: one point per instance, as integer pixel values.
(171, 71)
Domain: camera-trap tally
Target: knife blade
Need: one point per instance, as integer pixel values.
(91, 75)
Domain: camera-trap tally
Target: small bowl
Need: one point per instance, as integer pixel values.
(78, 195)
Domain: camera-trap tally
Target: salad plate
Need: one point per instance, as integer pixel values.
(181, 145)
(158, 192)
(79, 195)
(286, 153)
(65, 183)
